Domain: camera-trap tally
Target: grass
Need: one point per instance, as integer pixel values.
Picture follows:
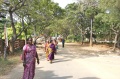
(7, 65)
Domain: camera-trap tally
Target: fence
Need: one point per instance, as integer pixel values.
(18, 44)
(1, 46)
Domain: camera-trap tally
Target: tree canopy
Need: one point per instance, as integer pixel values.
(36, 17)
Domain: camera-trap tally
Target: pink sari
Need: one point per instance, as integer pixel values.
(30, 56)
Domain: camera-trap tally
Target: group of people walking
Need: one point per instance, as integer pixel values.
(29, 56)
(51, 49)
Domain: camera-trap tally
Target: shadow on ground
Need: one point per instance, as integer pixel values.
(48, 75)
(89, 78)
(76, 51)
(72, 53)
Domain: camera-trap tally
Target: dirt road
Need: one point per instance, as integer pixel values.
(68, 64)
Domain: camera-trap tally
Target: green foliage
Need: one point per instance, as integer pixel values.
(74, 38)
(112, 18)
(113, 8)
(70, 38)
(101, 25)
(71, 22)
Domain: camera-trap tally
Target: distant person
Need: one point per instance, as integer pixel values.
(29, 58)
(63, 42)
(56, 45)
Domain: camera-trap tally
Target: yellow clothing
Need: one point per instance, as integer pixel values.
(47, 50)
(50, 50)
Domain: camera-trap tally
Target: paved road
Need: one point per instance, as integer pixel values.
(69, 66)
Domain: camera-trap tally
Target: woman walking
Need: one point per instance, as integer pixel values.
(51, 51)
(29, 58)
(56, 45)
(46, 49)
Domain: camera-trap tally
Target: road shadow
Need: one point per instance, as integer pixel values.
(60, 60)
(75, 52)
(89, 78)
(40, 74)
(70, 53)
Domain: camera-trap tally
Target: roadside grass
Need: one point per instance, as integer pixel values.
(7, 65)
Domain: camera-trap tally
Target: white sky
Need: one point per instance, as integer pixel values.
(63, 3)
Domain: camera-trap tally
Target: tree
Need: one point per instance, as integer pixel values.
(37, 14)
(113, 9)
(11, 7)
(90, 11)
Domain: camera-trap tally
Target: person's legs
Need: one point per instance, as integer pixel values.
(50, 57)
(50, 61)
(47, 53)
(63, 45)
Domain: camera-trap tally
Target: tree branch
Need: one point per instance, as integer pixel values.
(115, 31)
(16, 8)
(18, 3)
(22, 31)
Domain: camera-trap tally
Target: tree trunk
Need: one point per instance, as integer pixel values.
(91, 40)
(82, 37)
(14, 36)
(116, 36)
(118, 41)
(25, 36)
(12, 9)
(12, 48)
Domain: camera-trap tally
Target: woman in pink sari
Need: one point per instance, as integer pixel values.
(29, 58)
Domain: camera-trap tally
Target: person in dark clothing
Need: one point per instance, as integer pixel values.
(63, 42)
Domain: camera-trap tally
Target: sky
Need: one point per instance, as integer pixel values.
(63, 3)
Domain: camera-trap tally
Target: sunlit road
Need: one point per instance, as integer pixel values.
(69, 66)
